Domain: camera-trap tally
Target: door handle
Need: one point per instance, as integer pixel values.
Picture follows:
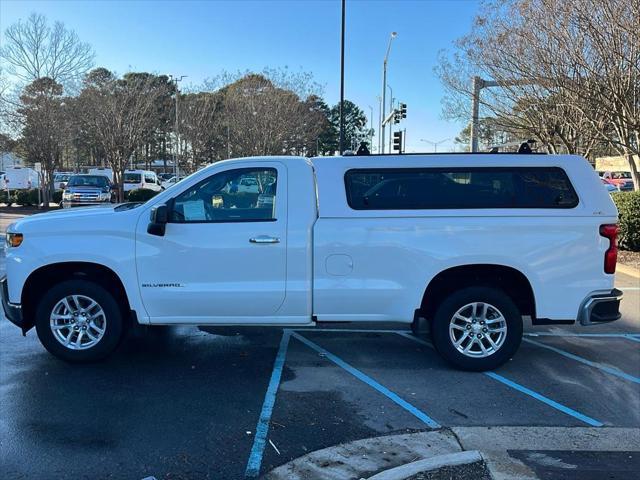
(264, 239)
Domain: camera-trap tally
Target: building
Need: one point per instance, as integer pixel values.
(8, 159)
(615, 164)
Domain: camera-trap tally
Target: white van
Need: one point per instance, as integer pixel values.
(105, 172)
(141, 179)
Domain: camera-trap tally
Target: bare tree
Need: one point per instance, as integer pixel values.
(266, 120)
(119, 113)
(299, 82)
(202, 128)
(44, 127)
(33, 49)
(569, 70)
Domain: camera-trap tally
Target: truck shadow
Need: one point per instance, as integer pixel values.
(163, 397)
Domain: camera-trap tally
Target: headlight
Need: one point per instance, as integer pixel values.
(14, 239)
(67, 195)
(105, 196)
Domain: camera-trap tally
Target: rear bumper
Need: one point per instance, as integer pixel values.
(600, 307)
(12, 311)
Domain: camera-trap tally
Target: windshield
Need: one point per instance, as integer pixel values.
(619, 175)
(61, 177)
(88, 181)
(132, 178)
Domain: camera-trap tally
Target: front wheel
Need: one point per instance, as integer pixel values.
(477, 328)
(79, 321)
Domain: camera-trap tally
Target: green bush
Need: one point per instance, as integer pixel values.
(8, 197)
(628, 204)
(27, 198)
(141, 195)
(57, 196)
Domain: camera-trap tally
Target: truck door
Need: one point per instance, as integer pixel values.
(223, 256)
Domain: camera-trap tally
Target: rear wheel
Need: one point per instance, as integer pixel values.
(79, 321)
(477, 328)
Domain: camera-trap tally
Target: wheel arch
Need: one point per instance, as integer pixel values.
(511, 280)
(41, 279)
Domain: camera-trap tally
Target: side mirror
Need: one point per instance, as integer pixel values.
(158, 220)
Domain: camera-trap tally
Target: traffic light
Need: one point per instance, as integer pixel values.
(397, 141)
(396, 116)
(403, 110)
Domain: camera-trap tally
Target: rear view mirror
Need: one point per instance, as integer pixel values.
(158, 220)
(217, 201)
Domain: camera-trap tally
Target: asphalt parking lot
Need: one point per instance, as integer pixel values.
(190, 403)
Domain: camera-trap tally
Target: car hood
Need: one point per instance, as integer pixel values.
(82, 220)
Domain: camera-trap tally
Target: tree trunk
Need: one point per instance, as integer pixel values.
(118, 180)
(634, 170)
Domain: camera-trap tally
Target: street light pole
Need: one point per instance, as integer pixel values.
(391, 99)
(380, 139)
(384, 87)
(435, 144)
(371, 128)
(477, 86)
(342, 80)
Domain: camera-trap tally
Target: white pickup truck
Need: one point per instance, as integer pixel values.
(469, 243)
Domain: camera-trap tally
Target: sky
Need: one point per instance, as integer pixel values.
(200, 39)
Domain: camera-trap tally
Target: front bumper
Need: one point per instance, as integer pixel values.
(12, 311)
(600, 307)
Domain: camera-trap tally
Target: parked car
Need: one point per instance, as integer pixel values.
(622, 180)
(466, 243)
(170, 182)
(85, 190)
(166, 176)
(135, 179)
(609, 186)
(60, 179)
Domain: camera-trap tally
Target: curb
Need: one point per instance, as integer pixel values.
(451, 460)
(362, 458)
(627, 270)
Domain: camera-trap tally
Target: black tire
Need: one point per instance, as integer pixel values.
(114, 327)
(493, 296)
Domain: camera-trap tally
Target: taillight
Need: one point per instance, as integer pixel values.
(611, 255)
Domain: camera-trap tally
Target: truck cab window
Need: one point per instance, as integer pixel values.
(240, 195)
